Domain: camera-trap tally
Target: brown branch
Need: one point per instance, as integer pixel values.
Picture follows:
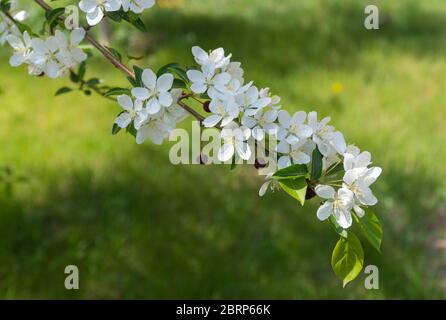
(8, 15)
(197, 116)
(110, 57)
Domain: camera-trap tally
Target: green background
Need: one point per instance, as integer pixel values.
(139, 227)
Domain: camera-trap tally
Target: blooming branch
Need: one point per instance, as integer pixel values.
(312, 157)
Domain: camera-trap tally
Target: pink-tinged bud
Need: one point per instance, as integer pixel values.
(259, 163)
(310, 193)
(203, 159)
(206, 106)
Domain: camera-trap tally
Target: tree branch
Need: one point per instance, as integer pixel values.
(110, 57)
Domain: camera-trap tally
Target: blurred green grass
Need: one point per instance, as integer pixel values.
(139, 227)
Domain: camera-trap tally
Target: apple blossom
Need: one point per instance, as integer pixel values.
(95, 9)
(339, 204)
(293, 129)
(224, 110)
(137, 6)
(251, 102)
(324, 136)
(155, 91)
(133, 111)
(261, 123)
(234, 142)
(207, 79)
(295, 153)
(214, 60)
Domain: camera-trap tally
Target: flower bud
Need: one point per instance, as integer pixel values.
(206, 106)
(259, 163)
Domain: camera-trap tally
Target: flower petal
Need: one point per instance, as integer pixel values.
(325, 192)
(141, 93)
(164, 82)
(325, 210)
(226, 152)
(148, 77)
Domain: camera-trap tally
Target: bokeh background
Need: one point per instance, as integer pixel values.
(139, 227)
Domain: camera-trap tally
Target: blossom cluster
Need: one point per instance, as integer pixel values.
(53, 56)
(355, 192)
(153, 109)
(95, 9)
(242, 112)
(7, 27)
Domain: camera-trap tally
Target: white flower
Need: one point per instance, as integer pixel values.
(95, 9)
(274, 100)
(325, 137)
(339, 204)
(157, 127)
(214, 60)
(251, 102)
(70, 55)
(156, 91)
(236, 71)
(132, 111)
(207, 79)
(353, 159)
(359, 183)
(44, 56)
(22, 48)
(232, 88)
(7, 27)
(223, 109)
(269, 182)
(261, 123)
(54, 55)
(293, 129)
(173, 113)
(234, 141)
(137, 6)
(296, 153)
(154, 129)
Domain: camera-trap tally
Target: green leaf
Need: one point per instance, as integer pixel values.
(114, 15)
(82, 70)
(138, 76)
(74, 77)
(316, 164)
(139, 24)
(135, 57)
(297, 188)
(175, 69)
(115, 129)
(233, 163)
(131, 129)
(53, 15)
(63, 90)
(132, 81)
(116, 92)
(335, 167)
(93, 82)
(5, 5)
(165, 69)
(371, 228)
(291, 172)
(347, 259)
(177, 83)
(339, 230)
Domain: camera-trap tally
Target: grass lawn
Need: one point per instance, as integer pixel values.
(139, 227)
